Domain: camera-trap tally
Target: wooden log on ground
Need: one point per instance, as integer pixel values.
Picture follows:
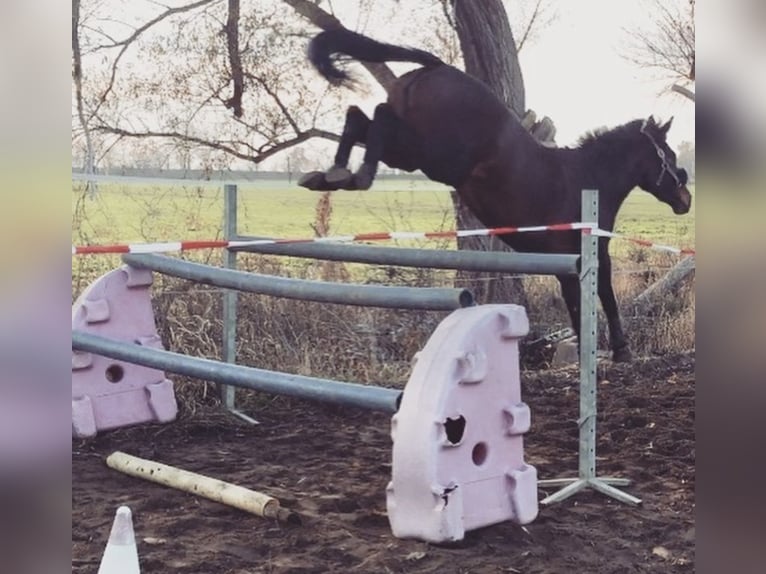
(670, 281)
(211, 488)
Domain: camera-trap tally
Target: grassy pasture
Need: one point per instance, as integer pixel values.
(136, 213)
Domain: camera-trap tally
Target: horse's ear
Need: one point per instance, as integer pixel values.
(665, 128)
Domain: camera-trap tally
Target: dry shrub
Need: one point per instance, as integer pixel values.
(341, 342)
(666, 327)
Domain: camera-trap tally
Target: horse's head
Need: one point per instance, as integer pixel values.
(660, 175)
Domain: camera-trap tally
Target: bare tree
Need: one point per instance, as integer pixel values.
(170, 77)
(89, 166)
(667, 45)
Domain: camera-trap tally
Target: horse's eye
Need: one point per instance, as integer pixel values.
(683, 177)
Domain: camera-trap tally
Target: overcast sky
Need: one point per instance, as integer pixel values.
(575, 74)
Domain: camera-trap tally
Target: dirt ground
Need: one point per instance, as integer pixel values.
(332, 465)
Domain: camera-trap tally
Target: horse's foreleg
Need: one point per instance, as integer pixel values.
(338, 176)
(618, 342)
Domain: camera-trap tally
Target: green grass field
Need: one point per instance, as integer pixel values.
(134, 213)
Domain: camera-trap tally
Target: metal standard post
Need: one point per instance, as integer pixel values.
(229, 344)
(588, 341)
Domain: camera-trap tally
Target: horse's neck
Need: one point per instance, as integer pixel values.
(614, 179)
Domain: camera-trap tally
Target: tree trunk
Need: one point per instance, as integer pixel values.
(489, 50)
(489, 53)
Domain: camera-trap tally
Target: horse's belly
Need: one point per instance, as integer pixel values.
(455, 119)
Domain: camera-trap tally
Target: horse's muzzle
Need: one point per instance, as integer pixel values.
(683, 202)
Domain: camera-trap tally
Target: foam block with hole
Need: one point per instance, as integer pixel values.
(458, 459)
(107, 393)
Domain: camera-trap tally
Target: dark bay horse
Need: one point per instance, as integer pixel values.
(453, 128)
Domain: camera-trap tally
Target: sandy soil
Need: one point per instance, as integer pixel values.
(331, 466)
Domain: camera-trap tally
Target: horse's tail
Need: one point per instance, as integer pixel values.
(325, 45)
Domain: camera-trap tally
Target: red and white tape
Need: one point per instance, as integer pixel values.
(176, 246)
(645, 243)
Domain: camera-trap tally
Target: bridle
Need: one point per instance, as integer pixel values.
(666, 167)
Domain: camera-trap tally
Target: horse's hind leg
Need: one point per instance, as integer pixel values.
(384, 141)
(338, 176)
(354, 132)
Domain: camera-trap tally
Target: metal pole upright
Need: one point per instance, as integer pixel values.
(230, 296)
(588, 341)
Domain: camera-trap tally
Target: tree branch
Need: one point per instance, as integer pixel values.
(156, 20)
(274, 96)
(669, 45)
(235, 61)
(258, 157)
(326, 21)
(136, 33)
(683, 91)
(530, 26)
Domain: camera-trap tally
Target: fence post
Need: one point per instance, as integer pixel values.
(588, 341)
(230, 296)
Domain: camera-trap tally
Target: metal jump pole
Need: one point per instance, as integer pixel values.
(493, 261)
(587, 477)
(312, 388)
(360, 295)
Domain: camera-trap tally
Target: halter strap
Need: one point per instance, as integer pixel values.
(666, 167)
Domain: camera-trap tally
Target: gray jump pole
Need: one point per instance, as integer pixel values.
(487, 261)
(426, 298)
(324, 390)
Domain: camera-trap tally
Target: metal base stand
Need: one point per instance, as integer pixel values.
(588, 325)
(604, 485)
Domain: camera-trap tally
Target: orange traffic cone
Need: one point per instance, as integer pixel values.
(121, 553)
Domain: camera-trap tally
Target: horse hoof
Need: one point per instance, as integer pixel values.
(314, 180)
(339, 176)
(622, 355)
(363, 177)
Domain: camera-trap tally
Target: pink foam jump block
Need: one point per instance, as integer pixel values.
(107, 393)
(458, 456)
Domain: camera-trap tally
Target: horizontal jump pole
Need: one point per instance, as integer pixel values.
(464, 260)
(323, 390)
(429, 298)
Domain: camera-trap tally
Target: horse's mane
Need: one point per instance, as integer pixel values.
(608, 136)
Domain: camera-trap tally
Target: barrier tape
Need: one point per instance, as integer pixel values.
(177, 246)
(646, 243)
